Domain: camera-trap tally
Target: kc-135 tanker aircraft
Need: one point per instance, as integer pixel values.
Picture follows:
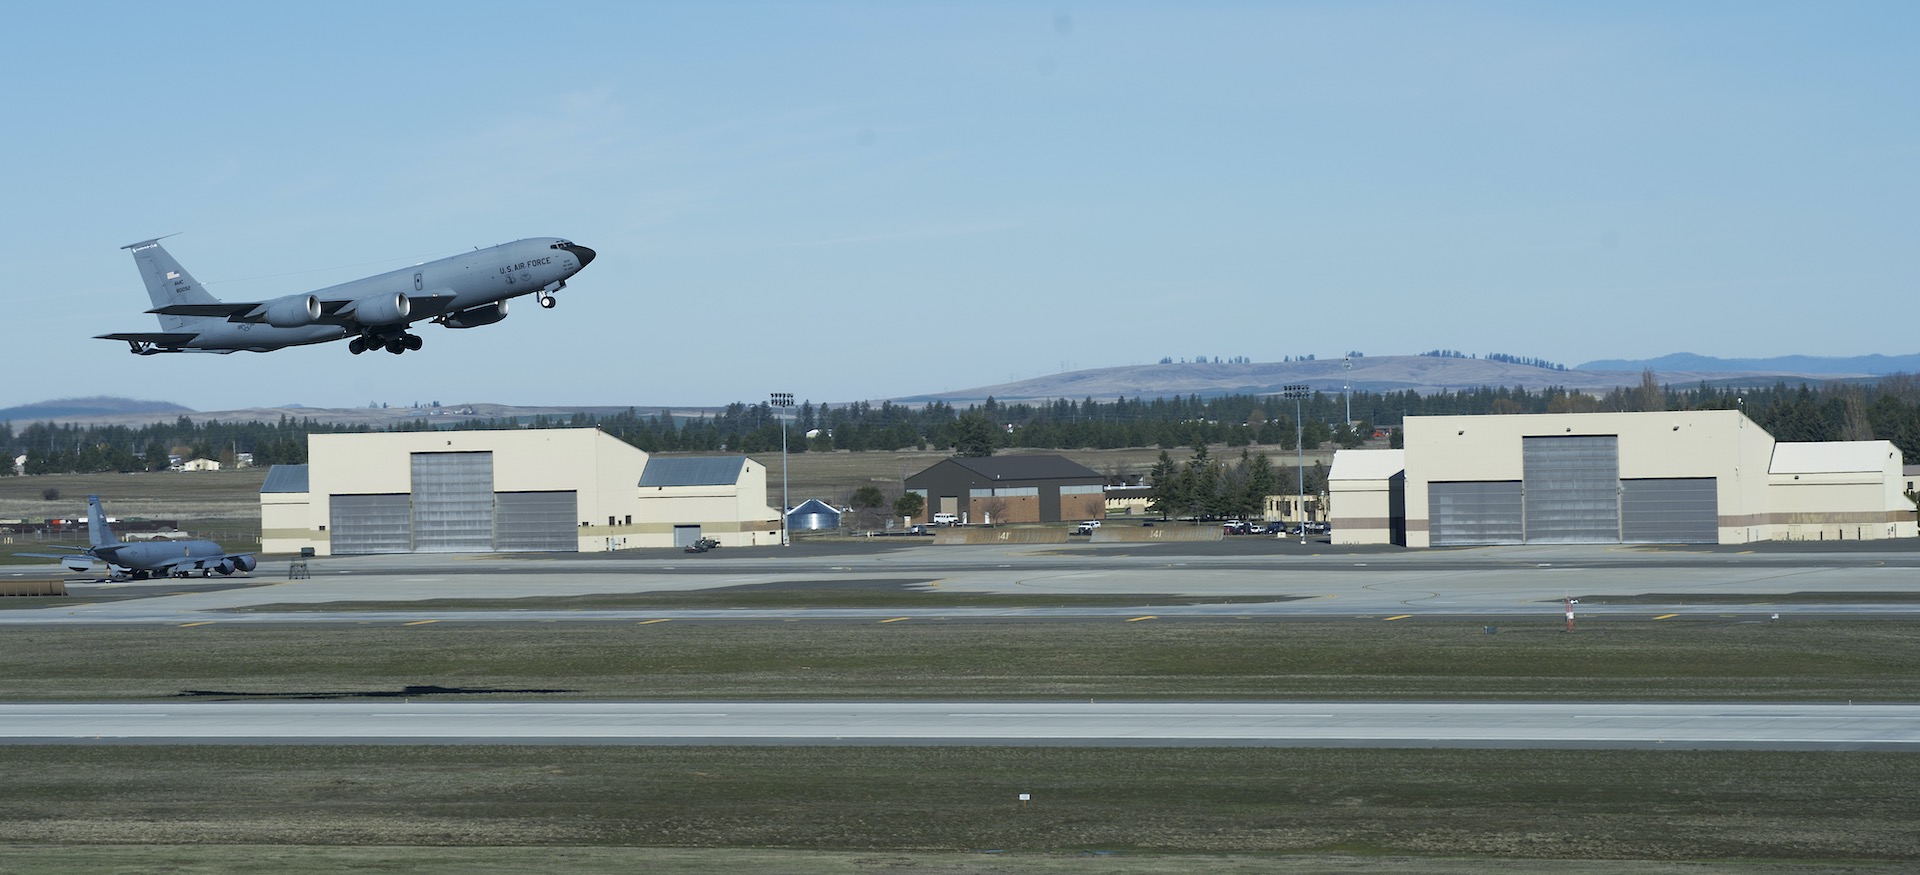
(146, 559)
(464, 291)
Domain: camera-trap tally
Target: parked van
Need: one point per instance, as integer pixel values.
(946, 519)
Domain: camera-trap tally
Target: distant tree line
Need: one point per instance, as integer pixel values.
(1525, 360)
(1529, 361)
(1885, 409)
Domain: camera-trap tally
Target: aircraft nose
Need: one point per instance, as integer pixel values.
(583, 253)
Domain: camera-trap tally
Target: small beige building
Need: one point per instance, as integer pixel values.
(1368, 488)
(1691, 477)
(531, 490)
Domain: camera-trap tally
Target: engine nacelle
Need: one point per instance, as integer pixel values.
(382, 309)
(245, 563)
(477, 316)
(78, 563)
(293, 312)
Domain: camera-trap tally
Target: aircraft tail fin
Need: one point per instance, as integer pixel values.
(168, 282)
(98, 533)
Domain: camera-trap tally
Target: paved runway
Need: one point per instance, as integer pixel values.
(1310, 724)
(1172, 582)
(1318, 581)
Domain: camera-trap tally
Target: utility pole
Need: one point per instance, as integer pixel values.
(784, 401)
(1297, 391)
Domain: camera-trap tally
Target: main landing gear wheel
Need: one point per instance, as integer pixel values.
(357, 345)
(547, 302)
(397, 345)
(414, 341)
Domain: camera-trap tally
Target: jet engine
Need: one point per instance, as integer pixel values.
(294, 311)
(477, 316)
(380, 309)
(233, 563)
(78, 563)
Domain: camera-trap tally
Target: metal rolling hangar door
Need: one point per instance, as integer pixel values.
(1571, 492)
(453, 508)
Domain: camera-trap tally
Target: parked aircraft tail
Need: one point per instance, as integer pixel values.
(168, 283)
(98, 533)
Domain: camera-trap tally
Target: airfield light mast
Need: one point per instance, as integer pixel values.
(1297, 391)
(1346, 391)
(784, 401)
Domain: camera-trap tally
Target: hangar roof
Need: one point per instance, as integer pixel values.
(1367, 464)
(814, 505)
(285, 478)
(692, 470)
(1829, 457)
(1026, 467)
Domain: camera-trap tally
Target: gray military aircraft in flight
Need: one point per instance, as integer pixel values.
(465, 291)
(147, 559)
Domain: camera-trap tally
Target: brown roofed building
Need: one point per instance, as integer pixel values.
(1011, 489)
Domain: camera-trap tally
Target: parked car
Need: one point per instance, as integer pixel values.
(1087, 527)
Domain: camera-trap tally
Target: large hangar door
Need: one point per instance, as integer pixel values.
(531, 522)
(1473, 514)
(361, 524)
(1680, 510)
(452, 502)
(1572, 488)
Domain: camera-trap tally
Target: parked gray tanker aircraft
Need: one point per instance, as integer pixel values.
(464, 291)
(146, 559)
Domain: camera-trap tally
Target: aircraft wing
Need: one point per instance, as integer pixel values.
(158, 338)
(229, 312)
(421, 306)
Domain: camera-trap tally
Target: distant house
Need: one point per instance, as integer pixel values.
(200, 465)
(1012, 489)
(20, 464)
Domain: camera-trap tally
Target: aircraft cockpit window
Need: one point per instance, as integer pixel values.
(561, 245)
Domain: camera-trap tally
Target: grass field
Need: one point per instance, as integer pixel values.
(1369, 804)
(1875, 661)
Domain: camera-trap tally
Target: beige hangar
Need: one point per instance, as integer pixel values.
(1697, 476)
(524, 490)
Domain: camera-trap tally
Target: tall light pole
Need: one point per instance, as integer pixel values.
(1346, 391)
(784, 401)
(1297, 391)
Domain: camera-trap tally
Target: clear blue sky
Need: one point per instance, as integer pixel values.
(867, 200)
